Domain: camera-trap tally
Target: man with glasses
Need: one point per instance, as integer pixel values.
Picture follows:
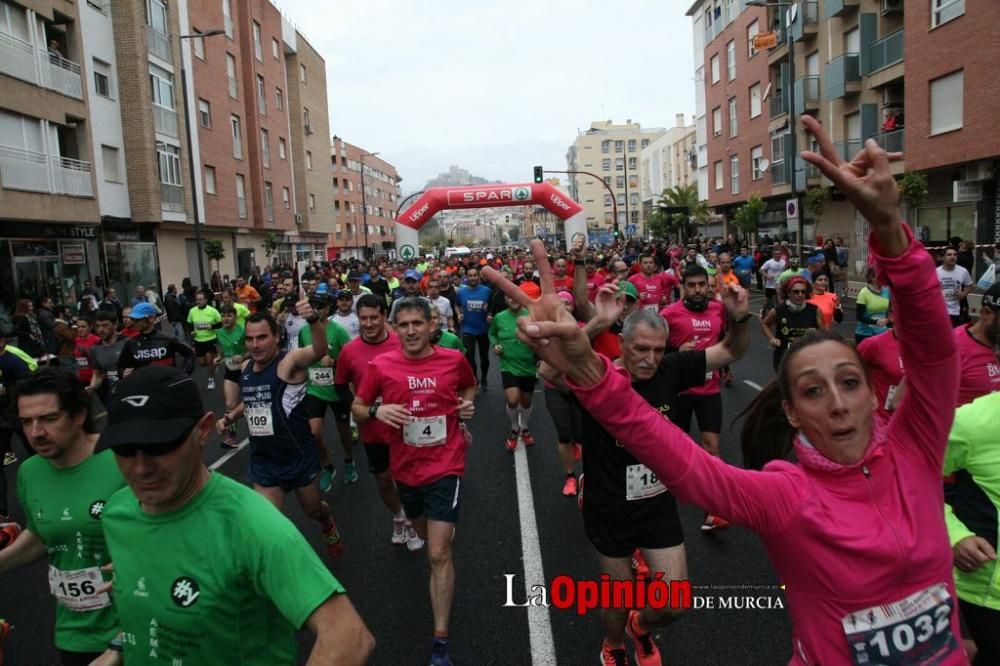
(63, 491)
(206, 571)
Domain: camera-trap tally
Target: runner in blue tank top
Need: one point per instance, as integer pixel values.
(283, 452)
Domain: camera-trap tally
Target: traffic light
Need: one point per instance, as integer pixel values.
(538, 174)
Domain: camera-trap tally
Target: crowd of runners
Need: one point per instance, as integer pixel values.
(869, 465)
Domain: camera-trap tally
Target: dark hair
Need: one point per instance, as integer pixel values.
(766, 434)
(266, 317)
(87, 320)
(106, 315)
(372, 301)
(70, 391)
(414, 303)
(227, 309)
(694, 271)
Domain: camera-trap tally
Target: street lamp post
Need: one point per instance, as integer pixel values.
(190, 146)
(792, 170)
(364, 198)
(614, 201)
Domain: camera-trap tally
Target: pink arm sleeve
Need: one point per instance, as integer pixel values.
(762, 501)
(927, 346)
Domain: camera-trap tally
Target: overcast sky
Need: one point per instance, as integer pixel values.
(495, 87)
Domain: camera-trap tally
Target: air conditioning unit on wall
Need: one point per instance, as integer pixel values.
(298, 218)
(308, 129)
(892, 6)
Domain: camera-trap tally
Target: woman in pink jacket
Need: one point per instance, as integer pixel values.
(854, 528)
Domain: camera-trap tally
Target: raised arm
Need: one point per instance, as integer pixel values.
(293, 367)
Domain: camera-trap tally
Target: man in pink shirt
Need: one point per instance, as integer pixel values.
(654, 288)
(696, 323)
(977, 350)
(423, 392)
(594, 279)
(375, 339)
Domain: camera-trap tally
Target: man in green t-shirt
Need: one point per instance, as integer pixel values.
(204, 320)
(63, 491)
(321, 394)
(232, 347)
(242, 311)
(517, 371)
(441, 337)
(207, 571)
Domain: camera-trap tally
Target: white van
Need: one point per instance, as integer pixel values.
(457, 251)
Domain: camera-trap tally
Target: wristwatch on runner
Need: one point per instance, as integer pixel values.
(373, 410)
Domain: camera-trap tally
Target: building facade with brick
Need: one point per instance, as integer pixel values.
(366, 194)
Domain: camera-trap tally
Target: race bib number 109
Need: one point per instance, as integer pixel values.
(259, 421)
(914, 630)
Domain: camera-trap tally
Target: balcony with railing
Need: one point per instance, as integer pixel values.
(806, 94)
(779, 104)
(806, 20)
(158, 43)
(32, 171)
(171, 198)
(885, 52)
(894, 141)
(21, 60)
(842, 76)
(847, 149)
(833, 8)
(165, 120)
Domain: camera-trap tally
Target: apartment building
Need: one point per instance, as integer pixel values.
(611, 153)
(366, 195)
(669, 161)
(49, 215)
(843, 61)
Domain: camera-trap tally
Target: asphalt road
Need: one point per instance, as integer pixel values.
(388, 584)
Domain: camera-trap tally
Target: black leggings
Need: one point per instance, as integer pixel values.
(566, 415)
(67, 658)
(471, 341)
(984, 629)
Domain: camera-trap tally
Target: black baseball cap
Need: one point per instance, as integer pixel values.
(152, 406)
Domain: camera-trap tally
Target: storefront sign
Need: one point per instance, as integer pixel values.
(74, 253)
(966, 191)
(765, 40)
(31, 230)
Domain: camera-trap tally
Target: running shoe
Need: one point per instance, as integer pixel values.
(527, 438)
(613, 656)
(713, 523)
(413, 540)
(350, 473)
(512, 440)
(9, 458)
(577, 451)
(570, 487)
(646, 652)
(326, 477)
(211, 384)
(399, 531)
(439, 653)
(579, 493)
(8, 534)
(639, 564)
(334, 544)
(229, 441)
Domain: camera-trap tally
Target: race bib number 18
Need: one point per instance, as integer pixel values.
(642, 483)
(259, 421)
(914, 630)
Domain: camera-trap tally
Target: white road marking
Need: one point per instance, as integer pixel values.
(543, 649)
(229, 454)
(753, 385)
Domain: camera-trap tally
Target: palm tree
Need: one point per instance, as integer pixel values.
(684, 196)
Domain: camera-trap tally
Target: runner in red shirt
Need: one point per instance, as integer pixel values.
(85, 339)
(422, 392)
(977, 344)
(560, 278)
(654, 288)
(880, 354)
(594, 279)
(376, 338)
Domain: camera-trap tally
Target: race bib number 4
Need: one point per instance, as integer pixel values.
(428, 431)
(321, 376)
(914, 630)
(259, 421)
(77, 590)
(642, 483)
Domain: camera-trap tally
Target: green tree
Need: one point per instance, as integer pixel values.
(270, 245)
(913, 190)
(681, 196)
(747, 216)
(514, 233)
(816, 200)
(215, 251)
